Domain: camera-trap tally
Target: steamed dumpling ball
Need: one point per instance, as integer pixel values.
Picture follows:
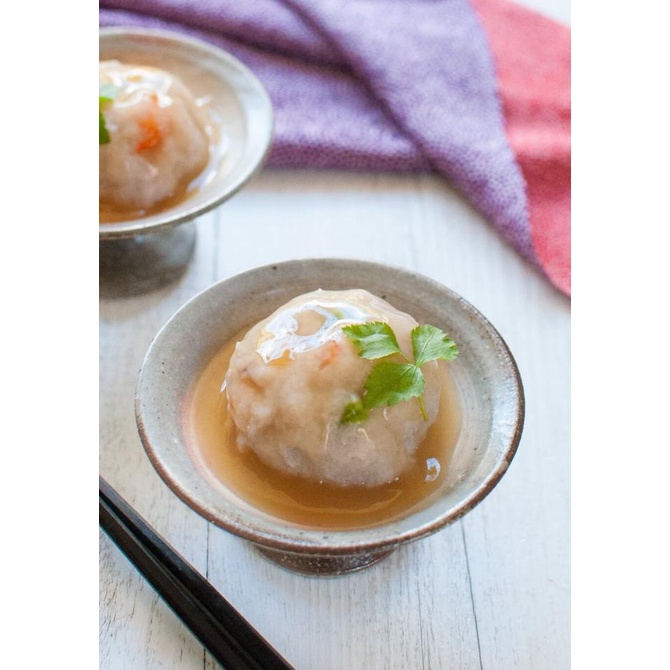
(158, 137)
(291, 377)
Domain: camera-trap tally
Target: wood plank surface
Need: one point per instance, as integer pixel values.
(490, 592)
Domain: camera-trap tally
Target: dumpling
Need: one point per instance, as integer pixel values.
(291, 377)
(158, 140)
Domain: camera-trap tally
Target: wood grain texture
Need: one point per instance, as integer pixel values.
(489, 592)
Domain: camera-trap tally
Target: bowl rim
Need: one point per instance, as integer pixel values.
(304, 544)
(168, 219)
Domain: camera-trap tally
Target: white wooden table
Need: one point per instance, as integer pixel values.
(489, 592)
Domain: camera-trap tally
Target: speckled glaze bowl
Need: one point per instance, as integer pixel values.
(485, 376)
(242, 113)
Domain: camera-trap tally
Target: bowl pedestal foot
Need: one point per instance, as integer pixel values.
(324, 566)
(142, 263)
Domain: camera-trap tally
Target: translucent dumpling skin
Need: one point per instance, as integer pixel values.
(291, 377)
(158, 137)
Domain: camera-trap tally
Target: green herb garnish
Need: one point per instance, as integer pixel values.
(107, 93)
(390, 383)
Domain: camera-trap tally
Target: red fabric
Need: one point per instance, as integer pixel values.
(532, 58)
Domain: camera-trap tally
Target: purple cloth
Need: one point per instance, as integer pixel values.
(389, 85)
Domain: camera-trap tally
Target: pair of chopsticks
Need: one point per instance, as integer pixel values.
(233, 642)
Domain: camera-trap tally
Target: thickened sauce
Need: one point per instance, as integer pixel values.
(211, 436)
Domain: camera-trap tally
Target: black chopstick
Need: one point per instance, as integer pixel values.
(233, 642)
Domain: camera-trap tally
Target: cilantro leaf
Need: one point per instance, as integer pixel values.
(372, 340)
(354, 412)
(429, 343)
(104, 133)
(391, 383)
(106, 93)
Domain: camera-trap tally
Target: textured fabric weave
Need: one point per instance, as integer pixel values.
(476, 90)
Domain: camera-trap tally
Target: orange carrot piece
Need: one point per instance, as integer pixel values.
(332, 351)
(151, 134)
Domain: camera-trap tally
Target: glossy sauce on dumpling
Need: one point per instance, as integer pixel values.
(291, 377)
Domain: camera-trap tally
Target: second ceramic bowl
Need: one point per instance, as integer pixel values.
(147, 251)
(238, 105)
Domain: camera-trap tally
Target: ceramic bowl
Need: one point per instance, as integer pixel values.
(485, 376)
(242, 118)
(238, 102)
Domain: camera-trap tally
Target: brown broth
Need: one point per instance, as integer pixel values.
(295, 499)
(109, 213)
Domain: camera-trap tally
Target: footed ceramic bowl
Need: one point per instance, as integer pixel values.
(485, 378)
(141, 252)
